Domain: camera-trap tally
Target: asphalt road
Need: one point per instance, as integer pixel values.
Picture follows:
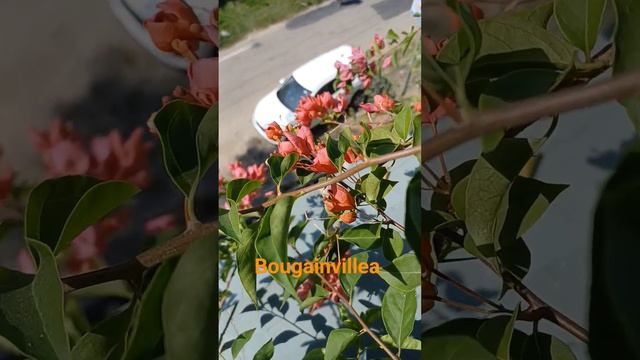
(252, 68)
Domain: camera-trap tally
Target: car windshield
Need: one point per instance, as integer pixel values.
(291, 92)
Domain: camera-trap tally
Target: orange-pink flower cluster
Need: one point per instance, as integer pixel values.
(381, 103)
(251, 172)
(175, 28)
(109, 157)
(317, 107)
(338, 200)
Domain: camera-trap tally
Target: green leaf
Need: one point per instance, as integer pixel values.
(403, 273)
(337, 342)
(280, 166)
(365, 236)
(246, 262)
(398, 313)
(273, 247)
(614, 319)
(409, 343)
(316, 294)
(240, 341)
(538, 15)
(627, 57)
(541, 346)
(349, 280)
(265, 352)
(188, 135)
(402, 123)
(579, 21)
(146, 328)
(455, 340)
(335, 154)
(515, 257)
(488, 184)
(230, 221)
(31, 308)
(60, 209)
(525, 202)
(507, 34)
(207, 140)
(105, 340)
(392, 243)
(237, 189)
(296, 231)
(315, 354)
(413, 212)
(188, 307)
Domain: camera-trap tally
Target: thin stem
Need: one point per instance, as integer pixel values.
(133, 269)
(355, 314)
(340, 177)
(465, 307)
(235, 306)
(474, 294)
(443, 165)
(227, 285)
(530, 110)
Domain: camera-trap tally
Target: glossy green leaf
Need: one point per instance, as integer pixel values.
(455, 340)
(246, 262)
(316, 294)
(614, 319)
(280, 166)
(526, 201)
(365, 236)
(398, 313)
(240, 342)
(296, 231)
(230, 222)
(188, 135)
(265, 352)
(392, 243)
(60, 209)
(273, 247)
(515, 257)
(237, 189)
(315, 354)
(403, 273)
(541, 346)
(413, 212)
(409, 343)
(496, 334)
(146, 328)
(31, 308)
(539, 15)
(337, 342)
(488, 184)
(350, 280)
(506, 34)
(105, 340)
(579, 21)
(189, 306)
(627, 57)
(403, 122)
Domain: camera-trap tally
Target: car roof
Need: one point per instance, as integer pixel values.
(321, 70)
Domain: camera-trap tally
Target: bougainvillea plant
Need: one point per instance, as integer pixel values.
(351, 167)
(162, 309)
(491, 78)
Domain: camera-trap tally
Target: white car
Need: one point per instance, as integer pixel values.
(314, 77)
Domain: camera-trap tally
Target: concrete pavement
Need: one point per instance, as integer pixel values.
(252, 68)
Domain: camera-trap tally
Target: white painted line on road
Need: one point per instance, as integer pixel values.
(236, 52)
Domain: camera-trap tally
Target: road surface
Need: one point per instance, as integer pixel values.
(252, 68)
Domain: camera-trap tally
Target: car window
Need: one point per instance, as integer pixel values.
(291, 92)
(328, 87)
